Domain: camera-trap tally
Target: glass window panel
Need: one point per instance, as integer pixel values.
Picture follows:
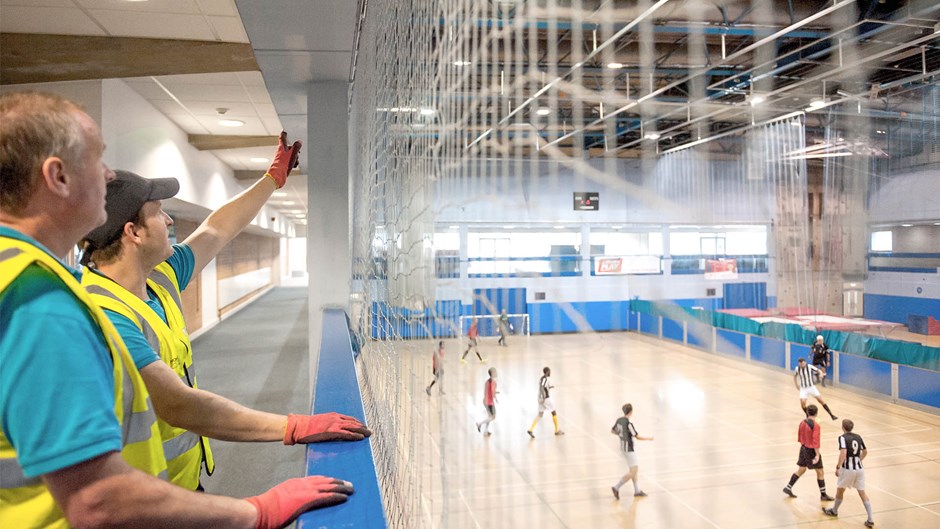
(684, 243)
(448, 240)
(881, 241)
(747, 242)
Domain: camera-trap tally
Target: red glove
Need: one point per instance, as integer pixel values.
(285, 159)
(282, 504)
(324, 427)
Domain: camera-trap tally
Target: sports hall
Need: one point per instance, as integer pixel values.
(665, 202)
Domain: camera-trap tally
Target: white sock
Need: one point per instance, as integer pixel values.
(620, 484)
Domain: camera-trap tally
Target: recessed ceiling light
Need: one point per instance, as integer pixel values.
(756, 100)
(258, 160)
(279, 194)
(614, 65)
(462, 63)
(226, 122)
(559, 227)
(652, 136)
(427, 111)
(543, 111)
(509, 227)
(936, 223)
(881, 132)
(816, 102)
(288, 203)
(907, 225)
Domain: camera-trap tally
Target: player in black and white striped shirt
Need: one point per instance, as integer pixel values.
(804, 380)
(849, 471)
(545, 403)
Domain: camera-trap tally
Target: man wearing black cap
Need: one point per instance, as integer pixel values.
(137, 276)
(79, 445)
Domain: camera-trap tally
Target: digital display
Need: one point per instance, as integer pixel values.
(587, 201)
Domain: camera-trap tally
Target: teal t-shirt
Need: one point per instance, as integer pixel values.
(183, 262)
(56, 379)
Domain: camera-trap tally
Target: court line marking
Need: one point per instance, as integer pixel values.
(469, 510)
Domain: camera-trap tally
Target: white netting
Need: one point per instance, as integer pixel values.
(475, 122)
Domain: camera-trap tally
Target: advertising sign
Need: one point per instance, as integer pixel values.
(721, 269)
(634, 264)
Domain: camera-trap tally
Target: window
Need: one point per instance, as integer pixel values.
(720, 241)
(881, 241)
(626, 243)
(521, 252)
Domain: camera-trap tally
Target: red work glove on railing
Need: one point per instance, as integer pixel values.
(324, 427)
(285, 159)
(282, 504)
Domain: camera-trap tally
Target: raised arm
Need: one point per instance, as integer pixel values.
(215, 416)
(225, 223)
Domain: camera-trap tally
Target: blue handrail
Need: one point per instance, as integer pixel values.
(337, 389)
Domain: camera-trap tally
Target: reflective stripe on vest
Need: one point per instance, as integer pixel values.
(185, 451)
(26, 501)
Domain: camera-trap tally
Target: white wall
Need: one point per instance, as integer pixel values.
(913, 196)
(141, 139)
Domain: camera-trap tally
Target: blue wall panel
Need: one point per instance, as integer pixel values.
(768, 351)
(798, 351)
(700, 335)
(745, 295)
(730, 342)
(672, 329)
(919, 385)
(865, 373)
(632, 321)
(649, 324)
(599, 316)
(898, 308)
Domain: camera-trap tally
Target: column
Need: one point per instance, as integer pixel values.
(329, 260)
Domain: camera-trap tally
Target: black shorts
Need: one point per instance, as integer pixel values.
(806, 458)
(490, 409)
(820, 365)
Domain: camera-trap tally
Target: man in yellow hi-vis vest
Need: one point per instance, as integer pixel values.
(137, 276)
(78, 445)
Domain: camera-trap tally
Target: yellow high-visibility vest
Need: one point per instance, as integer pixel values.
(185, 451)
(26, 502)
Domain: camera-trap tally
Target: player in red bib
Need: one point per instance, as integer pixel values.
(489, 402)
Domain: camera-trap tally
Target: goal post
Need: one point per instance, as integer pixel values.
(488, 325)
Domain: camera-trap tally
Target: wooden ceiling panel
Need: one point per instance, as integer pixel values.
(35, 58)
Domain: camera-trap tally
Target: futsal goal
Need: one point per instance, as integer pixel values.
(488, 325)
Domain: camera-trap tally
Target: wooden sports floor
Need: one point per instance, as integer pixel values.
(725, 442)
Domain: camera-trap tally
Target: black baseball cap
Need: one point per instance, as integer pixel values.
(127, 193)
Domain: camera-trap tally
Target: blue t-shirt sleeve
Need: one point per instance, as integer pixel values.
(183, 263)
(137, 344)
(57, 382)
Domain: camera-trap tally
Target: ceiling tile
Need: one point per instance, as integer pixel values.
(229, 29)
(48, 20)
(266, 109)
(147, 88)
(168, 107)
(273, 125)
(185, 7)
(225, 8)
(189, 124)
(252, 127)
(252, 79)
(223, 78)
(258, 94)
(212, 93)
(208, 108)
(154, 25)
